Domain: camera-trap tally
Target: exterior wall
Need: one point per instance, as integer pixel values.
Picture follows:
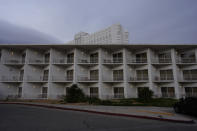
(33, 82)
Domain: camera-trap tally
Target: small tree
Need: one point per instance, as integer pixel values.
(145, 94)
(74, 94)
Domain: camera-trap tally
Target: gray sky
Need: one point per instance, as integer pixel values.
(148, 21)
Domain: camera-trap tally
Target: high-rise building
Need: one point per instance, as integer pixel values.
(114, 34)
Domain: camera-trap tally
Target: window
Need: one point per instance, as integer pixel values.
(117, 75)
(23, 58)
(167, 92)
(142, 74)
(118, 92)
(93, 74)
(188, 58)
(93, 91)
(69, 74)
(45, 75)
(21, 75)
(94, 58)
(190, 74)
(164, 58)
(19, 92)
(117, 57)
(191, 91)
(70, 58)
(44, 92)
(166, 75)
(47, 57)
(141, 58)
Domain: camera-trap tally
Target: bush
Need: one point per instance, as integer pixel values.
(145, 94)
(93, 100)
(74, 94)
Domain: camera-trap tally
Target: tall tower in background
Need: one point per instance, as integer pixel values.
(114, 34)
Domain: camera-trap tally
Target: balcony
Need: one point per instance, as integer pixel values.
(115, 79)
(43, 96)
(142, 79)
(63, 61)
(87, 62)
(164, 79)
(12, 79)
(118, 95)
(62, 79)
(166, 95)
(189, 79)
(85, 79)
(113, 61)
(38, 62)
(37, 79)
(138, 61)
(162, 61)
(186, 61)
(14, 62)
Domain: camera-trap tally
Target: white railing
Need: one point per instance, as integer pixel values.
(164, 78)
(190, 77)
(162, 60)
(142, 78)
(61, 78)
(86, 78)
(186, 60)
(91, 61)
(63, 61)
(113, 60)
(12, 78)
(13, 61)
(138, 60)
(37, 78)
(37, 61)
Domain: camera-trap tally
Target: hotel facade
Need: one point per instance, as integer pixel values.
(107, 71)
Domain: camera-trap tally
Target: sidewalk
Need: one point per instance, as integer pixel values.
(156, 113)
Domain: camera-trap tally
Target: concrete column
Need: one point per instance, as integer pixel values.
(75, 66)
(100, 73)
(175, 73)
(50, 94)
(150, 69)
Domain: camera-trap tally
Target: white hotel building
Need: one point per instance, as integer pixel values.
(106, 71)
(113, 70)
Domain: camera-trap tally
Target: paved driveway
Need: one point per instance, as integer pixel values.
(26, 118)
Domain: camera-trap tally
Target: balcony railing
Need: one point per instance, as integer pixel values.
(143, 78)
(113, 61)
(117, 78)
(138, 60)
(162, 60)
(164, 78)
(37, 61)
(191, 94)
(43, 95)
(37, 78)
(91, 61)
(85, 78)
(166, 95)
(118, 95)
(13, 61)
(186, 60)
(63, 61)
(13, 78)
(188, 78)
(62, 78)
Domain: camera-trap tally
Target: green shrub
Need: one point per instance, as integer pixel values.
(145, 94)
(93, 100)
(74, 94)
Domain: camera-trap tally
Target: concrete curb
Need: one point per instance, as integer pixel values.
(100, 112)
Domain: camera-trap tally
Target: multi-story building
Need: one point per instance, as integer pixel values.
(114, 34)
(104, 71)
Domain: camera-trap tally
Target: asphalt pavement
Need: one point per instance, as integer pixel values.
(27, 118)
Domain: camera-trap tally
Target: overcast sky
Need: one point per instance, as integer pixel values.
(49, 21)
